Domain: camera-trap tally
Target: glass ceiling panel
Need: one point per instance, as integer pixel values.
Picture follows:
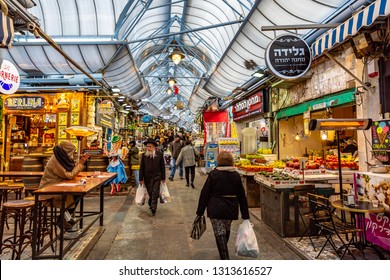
(206, 51)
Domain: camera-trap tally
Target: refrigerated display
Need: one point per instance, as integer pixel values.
(231, 145)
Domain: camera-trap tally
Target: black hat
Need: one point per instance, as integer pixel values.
(150, 141)
(132, 142)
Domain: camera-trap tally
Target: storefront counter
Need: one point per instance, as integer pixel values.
(279, 210)
(252, 189)
(375, 186)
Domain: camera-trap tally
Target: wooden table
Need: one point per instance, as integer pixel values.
(360, 209)
(64, 190)
(21, 174)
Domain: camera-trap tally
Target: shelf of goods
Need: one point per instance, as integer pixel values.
(231, 145)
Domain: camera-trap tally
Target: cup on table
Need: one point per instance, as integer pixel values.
(375, 202)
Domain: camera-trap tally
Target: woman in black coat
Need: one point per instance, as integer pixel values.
(222, 194)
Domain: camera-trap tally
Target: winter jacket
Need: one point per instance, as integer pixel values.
(175, 148)
(134, 156)
(222, 194)
(187, 155)
(55, 173)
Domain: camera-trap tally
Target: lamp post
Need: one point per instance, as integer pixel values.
(338, 125)
(79, 132)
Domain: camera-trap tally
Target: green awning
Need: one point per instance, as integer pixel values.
(332, 100)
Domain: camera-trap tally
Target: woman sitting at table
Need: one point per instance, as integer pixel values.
(61, 167)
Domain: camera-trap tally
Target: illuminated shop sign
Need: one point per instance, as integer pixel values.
(106, 107)
(288, 57)
(248, 107)
(24, 103)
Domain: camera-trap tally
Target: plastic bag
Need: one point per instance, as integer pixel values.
(140, 195)
(246, 242)
(164, 193)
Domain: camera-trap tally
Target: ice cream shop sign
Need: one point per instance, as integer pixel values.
(24, 103)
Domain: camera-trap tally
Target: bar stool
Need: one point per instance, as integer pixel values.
(21, 211)
(30, 189)
(46, 219)
(10, 187)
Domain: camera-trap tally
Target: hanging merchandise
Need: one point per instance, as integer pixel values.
(175, 90)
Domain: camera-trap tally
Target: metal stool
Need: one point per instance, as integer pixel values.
(20, 210)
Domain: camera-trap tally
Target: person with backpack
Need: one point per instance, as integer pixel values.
(175, 147)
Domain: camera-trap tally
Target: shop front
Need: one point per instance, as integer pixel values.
(34, 124)
(252, 131)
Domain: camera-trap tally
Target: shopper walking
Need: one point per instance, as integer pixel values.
(152, 172)
(187, 156)
(222, 194)
(134, 161)
(175, 147)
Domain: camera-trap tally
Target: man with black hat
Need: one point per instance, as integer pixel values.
(152, 172)
(175, 147)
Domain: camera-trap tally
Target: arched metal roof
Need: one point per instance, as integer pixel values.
(128, 42)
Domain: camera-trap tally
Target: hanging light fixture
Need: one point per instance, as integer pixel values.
(169, 90)
(171, 82)
(297, 138)
(324, 135)
(176, 56)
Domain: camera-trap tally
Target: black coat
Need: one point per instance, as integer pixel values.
(151, 167)
(222, 194)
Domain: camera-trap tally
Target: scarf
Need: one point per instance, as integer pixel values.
(63, 158)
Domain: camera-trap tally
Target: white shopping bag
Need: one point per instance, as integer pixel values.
(246, 242)
(140, 195)
(164, 193)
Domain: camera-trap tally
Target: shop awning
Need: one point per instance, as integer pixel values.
(366, 17)
(332, 100)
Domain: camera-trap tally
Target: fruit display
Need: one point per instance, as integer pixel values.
(278, 178)
(278, 175)
(264, 151)
(240, 162)
(256, 168)
(332, 163)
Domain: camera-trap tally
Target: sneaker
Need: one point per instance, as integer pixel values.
(181, 178)
(170, 178)
(187, 185)
(192, 185)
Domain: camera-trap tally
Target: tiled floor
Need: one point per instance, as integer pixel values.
(130, 232)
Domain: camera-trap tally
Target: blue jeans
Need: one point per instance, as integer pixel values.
(173, 168)
(136, 177)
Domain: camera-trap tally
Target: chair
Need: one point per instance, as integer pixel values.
(331, 225)
(301, 191)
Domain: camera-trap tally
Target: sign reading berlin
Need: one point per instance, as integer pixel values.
(24, 103)
(9, 78)
(288, 57)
